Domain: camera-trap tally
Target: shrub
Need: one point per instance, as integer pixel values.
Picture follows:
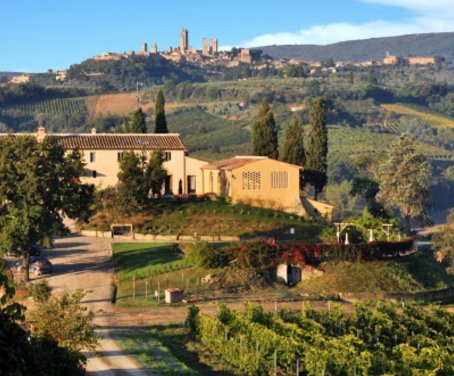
(41, 291)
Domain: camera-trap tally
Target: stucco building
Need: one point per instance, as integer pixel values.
(256, 181)
(263, 182)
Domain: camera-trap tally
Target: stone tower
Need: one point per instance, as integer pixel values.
(144, 48)
(184, 40)
(204, 47)
(214, 46)
(154, 48)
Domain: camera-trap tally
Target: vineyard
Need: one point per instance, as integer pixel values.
(438, 120)
(375, 339)
(59, 106)
(363, 141)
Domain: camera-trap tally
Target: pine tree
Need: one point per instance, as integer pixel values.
(293, 148)
(405, 180)
(139, 124)
(317, 148)
(160, 114)
(264, 133)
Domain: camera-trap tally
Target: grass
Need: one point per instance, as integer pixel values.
(416, 273)
(425, 115)
(146, 259)
(142, 344)
(213, 218)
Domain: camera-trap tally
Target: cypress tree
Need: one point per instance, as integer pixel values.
(139, 124)
(264, 133)
(160, 114)
(293, 148)
(317, 148)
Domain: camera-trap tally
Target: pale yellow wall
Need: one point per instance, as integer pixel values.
(211, 181)
(193, 167)
(107, 167)
(286, 199)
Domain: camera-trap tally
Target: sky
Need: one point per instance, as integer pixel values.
(36, 35)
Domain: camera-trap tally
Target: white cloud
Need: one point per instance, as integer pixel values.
(430, 16)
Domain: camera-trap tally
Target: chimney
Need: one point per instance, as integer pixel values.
(41, 133)
(93, 130)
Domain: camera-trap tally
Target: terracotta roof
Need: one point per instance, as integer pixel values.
(123, 141)
(231, 163)
(236, 162)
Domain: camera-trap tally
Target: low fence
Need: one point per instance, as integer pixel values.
(161, 238)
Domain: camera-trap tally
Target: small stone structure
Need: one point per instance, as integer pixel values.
(173, 295)
(288, 274)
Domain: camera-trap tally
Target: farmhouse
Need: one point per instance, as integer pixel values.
(257, 181)
(261, 181)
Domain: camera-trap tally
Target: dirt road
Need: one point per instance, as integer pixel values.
(85, 263)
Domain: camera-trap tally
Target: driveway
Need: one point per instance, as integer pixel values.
(85, 263)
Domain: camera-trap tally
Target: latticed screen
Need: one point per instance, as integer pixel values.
(279, 179)
(252, 180)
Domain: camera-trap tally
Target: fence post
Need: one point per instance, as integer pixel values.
(146, 289)
(275, 362)
(297, 367)
(134, 286)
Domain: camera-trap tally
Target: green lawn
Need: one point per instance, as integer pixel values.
(142, 344)
(144, 260)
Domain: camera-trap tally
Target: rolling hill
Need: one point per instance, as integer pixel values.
(434, 44)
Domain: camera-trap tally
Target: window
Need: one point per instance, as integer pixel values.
(279, 179)
(252, 180)
(119, 156)
(92, 156)
(94, 174)
(191, 184)
(167, 156)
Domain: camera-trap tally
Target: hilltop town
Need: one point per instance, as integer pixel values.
(208, 55)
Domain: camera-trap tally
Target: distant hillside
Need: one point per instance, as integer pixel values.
(436, 44)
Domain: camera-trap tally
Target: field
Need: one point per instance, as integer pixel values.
(60, 106)
(433, 118)
(350, 141)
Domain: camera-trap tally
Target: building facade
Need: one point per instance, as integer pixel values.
(256, 181)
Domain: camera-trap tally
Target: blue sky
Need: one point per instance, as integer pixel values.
(39, 34)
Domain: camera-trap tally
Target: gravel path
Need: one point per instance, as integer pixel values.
(85, 263)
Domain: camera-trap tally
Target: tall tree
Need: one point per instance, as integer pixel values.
(139, 125)
(156, 173)
(160, 114)
(293, 148)
(264, 133)
(131, 181)
(39, 184)
(317, 148)
(405, 180)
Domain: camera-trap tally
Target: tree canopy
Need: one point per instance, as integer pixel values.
(293, 148)
(138, 175)
(405, 180)
(317, 148)
(139, 124)
(39, 184)
(264, 133)
(160, 114)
